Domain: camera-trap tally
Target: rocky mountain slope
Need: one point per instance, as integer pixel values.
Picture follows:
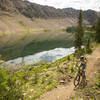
(32, 10)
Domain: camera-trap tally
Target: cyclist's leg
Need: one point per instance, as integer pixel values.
(83, 76)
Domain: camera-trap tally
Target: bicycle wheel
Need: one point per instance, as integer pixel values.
(84, 81)
(77, 80)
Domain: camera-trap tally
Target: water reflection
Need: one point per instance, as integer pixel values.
(45, 56)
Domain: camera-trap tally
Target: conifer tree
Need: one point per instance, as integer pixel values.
(79, 36)
(79, 32)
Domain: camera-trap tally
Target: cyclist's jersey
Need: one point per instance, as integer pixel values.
(83, 66)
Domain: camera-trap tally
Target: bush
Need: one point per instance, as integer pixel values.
(71, 29)
(79, 52)
(14, 89)
(10, 87)
(35, 80)
(88, 46)
(2, 83)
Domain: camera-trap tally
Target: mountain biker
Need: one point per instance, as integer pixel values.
(82, 65)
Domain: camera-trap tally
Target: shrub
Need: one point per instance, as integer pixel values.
(71, 29)
(88, 46)
(10, 87)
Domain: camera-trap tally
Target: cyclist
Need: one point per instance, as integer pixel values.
(82, 65)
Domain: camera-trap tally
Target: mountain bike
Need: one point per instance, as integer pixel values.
(80, 79)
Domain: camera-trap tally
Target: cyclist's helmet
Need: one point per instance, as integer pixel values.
(82, 58)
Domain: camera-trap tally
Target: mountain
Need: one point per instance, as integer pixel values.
(32, 10)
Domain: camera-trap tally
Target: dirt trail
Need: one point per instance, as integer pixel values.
(64, 92)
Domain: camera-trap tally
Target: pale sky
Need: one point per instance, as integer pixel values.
(77, 4)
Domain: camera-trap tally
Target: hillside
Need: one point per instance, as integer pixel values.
(37, 16)
(32, 10)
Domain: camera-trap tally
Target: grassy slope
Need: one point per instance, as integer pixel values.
(37, 81)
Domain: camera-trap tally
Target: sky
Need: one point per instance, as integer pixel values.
(77, 4)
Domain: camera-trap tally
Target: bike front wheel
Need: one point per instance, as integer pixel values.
(77, 80)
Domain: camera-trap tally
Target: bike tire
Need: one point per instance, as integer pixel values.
(85, 81)
(77, 80)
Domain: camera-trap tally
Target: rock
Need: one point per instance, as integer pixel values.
(62, 82)
(1, 62)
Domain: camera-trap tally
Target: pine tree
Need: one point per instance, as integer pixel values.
(98, 30)
(79, 32)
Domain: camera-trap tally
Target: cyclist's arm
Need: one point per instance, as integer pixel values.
(77, 64)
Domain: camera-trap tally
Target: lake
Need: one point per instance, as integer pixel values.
(44, 56)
